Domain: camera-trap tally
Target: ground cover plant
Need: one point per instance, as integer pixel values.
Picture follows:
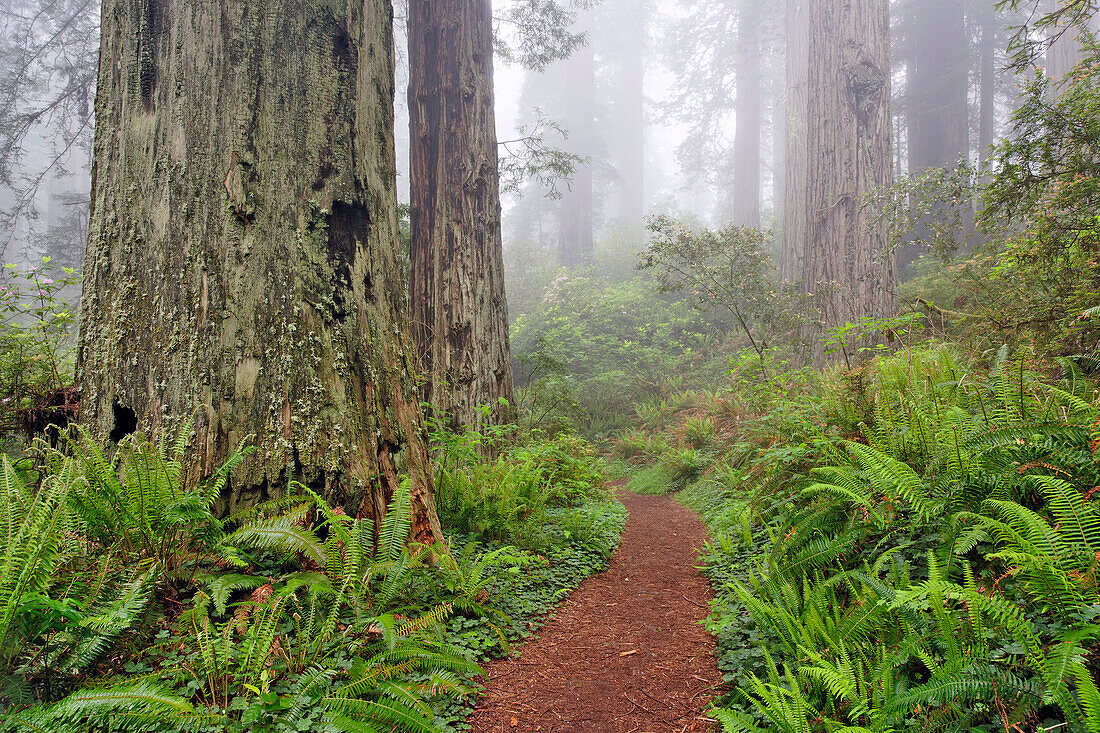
(909, 547)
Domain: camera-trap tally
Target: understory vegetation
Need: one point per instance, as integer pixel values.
(907, 546)
(126, 604)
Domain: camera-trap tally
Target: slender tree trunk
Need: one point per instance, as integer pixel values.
(242, 262)
(779, 151)
(795, 218)
(459, 310)
(938, 94)
(938, 107)
(632, 118)
(577, 209)
(847, 264)
(988, 83)
(746, 147)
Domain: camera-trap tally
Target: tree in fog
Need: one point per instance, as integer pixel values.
(576, 209)
(242, 267)
(720, 52)
(848, 153)
(628, 50)
(937, 83)
(459, 309)
(48, 51)
(795, 219)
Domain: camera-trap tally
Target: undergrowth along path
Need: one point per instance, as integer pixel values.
(625, 653)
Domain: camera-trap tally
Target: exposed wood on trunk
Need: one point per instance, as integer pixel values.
(242, 263)
(459, 311)
(846, 262)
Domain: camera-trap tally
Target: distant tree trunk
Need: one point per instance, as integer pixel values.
(577, 209)
(937, 98)
(243, 261)
(987, 83)
(846, 262)
(632, 117)
(938, 107)
(779, 152)
(459, 310)
(1063, 54)
(746, 147)
(795, 218)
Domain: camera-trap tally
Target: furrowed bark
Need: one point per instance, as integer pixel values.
(242, 262)
(847, 262)
(459, 310)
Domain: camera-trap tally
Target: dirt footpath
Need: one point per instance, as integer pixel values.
(625, 653)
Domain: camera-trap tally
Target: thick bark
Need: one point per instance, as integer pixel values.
(459, 310)
(242, 261)
(577, 207)
(849, 153)
(796, 189)
(746, 146)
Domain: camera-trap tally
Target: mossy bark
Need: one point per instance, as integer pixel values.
(847, 262)
(242, 262)
(459, 310)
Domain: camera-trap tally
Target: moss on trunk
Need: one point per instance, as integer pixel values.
(242, 263)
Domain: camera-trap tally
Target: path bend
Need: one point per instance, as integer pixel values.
(625, 653)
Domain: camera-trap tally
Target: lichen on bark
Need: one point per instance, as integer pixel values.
(242, 263)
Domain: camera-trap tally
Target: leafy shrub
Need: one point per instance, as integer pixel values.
(35, 326)
(504, 499)
(639, 446)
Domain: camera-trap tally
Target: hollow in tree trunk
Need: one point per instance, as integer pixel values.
(242, 263)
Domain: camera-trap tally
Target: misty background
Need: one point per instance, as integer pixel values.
(649, 106)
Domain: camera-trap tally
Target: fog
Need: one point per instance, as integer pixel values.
(670, 106)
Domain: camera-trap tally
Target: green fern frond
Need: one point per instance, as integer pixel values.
(396, 525)
(390, 713)
(280, 534)
(143, 706)
(222, 586)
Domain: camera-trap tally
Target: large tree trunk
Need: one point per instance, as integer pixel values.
(459, 311)
(242, 262)
(746, 146)
(848, 148)
(796, 189)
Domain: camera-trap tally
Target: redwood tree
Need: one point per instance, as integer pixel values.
(746, 149)
(459, 312)
(846, 260)
(243, 264)
(795, 218)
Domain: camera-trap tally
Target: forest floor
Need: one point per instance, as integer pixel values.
(626, 652)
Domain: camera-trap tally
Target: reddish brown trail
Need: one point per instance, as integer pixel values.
(625, 653)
